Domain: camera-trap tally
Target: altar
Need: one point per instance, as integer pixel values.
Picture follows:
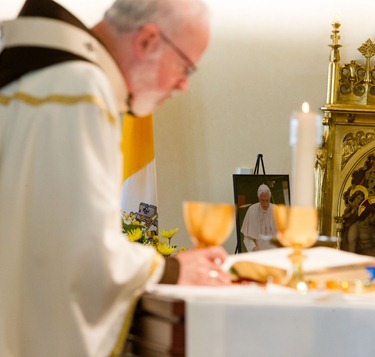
(251, 320)
(263, 319)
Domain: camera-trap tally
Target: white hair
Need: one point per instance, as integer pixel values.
(263, 189)
(128, 15)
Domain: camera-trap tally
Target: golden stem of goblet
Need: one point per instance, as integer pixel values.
(297, 280)
(296, 228)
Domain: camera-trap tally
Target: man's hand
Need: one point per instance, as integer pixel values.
(203, 267)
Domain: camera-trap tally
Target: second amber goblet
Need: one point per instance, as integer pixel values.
(297, 228)
(207, 223)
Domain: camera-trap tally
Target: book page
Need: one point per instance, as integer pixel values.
(317, 259)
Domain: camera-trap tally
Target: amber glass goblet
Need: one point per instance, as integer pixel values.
(297, 227)
(208, 224)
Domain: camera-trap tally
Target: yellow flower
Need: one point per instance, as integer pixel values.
(137, 231)
(169, 234)
(164, 249)
(135, 234)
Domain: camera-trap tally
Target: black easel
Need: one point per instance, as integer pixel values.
(256, 168)
(256, 172)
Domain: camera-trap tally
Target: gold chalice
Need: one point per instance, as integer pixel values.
(297, 227)
(208, 223)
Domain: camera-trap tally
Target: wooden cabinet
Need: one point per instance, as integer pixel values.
(158, 328)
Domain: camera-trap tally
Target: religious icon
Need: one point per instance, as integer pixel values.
(255, 198)
(358, 233)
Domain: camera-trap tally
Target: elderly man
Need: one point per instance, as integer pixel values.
(259, 225)
(68, 277)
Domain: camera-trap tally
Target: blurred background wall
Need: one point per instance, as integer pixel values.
(265, 59)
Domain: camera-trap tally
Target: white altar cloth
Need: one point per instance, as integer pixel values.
(275, 321)
(263, 329)
(241, 321)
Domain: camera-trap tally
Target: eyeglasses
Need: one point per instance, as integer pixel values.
(191, 67)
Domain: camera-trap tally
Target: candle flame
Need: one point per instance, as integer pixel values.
(305, 107)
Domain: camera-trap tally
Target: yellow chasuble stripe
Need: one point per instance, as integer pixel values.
(138, 143)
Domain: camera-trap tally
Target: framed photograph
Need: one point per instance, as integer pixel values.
(255, 197)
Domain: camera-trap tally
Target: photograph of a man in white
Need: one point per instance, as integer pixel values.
(258, 227)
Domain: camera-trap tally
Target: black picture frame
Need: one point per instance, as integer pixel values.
(245, 188)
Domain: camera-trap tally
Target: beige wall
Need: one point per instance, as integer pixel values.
(265, 59)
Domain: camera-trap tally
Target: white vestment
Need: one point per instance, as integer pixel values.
(259, 225)
(67, 275)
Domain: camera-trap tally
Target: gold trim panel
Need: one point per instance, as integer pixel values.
(58, 99)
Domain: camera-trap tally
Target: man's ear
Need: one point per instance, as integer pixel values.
(146, 40)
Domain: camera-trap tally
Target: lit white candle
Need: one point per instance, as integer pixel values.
(305, 137)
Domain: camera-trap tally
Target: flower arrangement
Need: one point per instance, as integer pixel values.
(138, 230)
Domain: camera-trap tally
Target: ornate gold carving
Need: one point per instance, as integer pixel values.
(320, 173)
(327, 119)
(340, 225)
(367, 49)
(352, 143)
(334, 59)
(352, 79)
(345, 173)
(335, 37)
(351, 117)
(352, 83)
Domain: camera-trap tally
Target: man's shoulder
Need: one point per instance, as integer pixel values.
(72, 77)
(252, 209)
(254, 206)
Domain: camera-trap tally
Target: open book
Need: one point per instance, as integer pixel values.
(319, 261)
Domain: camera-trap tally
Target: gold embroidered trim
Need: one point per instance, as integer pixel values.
(121, 340)
(60, 99)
